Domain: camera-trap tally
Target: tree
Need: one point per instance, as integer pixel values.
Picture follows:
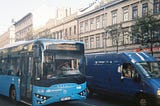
(144, 30)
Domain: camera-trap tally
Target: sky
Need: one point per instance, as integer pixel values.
(43, 9)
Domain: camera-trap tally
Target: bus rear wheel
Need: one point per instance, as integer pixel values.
(12, 94)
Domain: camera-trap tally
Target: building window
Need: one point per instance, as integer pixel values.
(104, 20)
(134, 12)
(144, 9)
(156, 6)
(70, 31)
(125, 14)
(92, 24)
(97, 22)
(75, 29)
(114, 17)
(126, 38)
(98, 42)
(92, 42)
(61, 33)
(86, 26)
(120, 38)
(81, 27)
(86, 43)
(58, 37)
(53, 35)
(114, 38)
(66, 32)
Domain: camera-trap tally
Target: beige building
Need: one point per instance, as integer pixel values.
(107, 28)
(24, 28)
(65, 28)
(63, 12)
(7, 37)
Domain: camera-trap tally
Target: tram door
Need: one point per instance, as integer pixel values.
(26, 75)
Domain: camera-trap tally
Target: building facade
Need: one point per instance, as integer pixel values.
(24, 28)
(63, 12)
(65, 28)
(107, 28)
(103, 29)
(8, 37)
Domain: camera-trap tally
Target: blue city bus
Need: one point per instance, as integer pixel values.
(33, 71)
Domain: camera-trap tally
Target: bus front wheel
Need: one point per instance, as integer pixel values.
(12, 93)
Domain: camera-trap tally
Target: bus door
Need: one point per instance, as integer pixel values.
(26, 75)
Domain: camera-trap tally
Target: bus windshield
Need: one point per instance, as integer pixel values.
(151, 69)
(62, 63)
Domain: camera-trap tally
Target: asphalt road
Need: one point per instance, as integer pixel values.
(96, 100)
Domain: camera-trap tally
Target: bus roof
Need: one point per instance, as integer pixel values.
(42, 40)
(15, 44)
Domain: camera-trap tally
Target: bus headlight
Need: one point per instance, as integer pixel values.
(41, 97)
(158, 92)
(82, 93)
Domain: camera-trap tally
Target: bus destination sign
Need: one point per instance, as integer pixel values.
(62, 47)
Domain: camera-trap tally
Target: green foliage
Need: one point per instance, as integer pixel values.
(144, 29)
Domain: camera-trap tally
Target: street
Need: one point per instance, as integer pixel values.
(96, 100)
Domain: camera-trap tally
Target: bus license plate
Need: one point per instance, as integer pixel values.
(65, 98)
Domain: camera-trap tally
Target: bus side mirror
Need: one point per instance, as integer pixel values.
(137, 77)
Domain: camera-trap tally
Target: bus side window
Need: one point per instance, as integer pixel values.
(11, 70)
(5, 67)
